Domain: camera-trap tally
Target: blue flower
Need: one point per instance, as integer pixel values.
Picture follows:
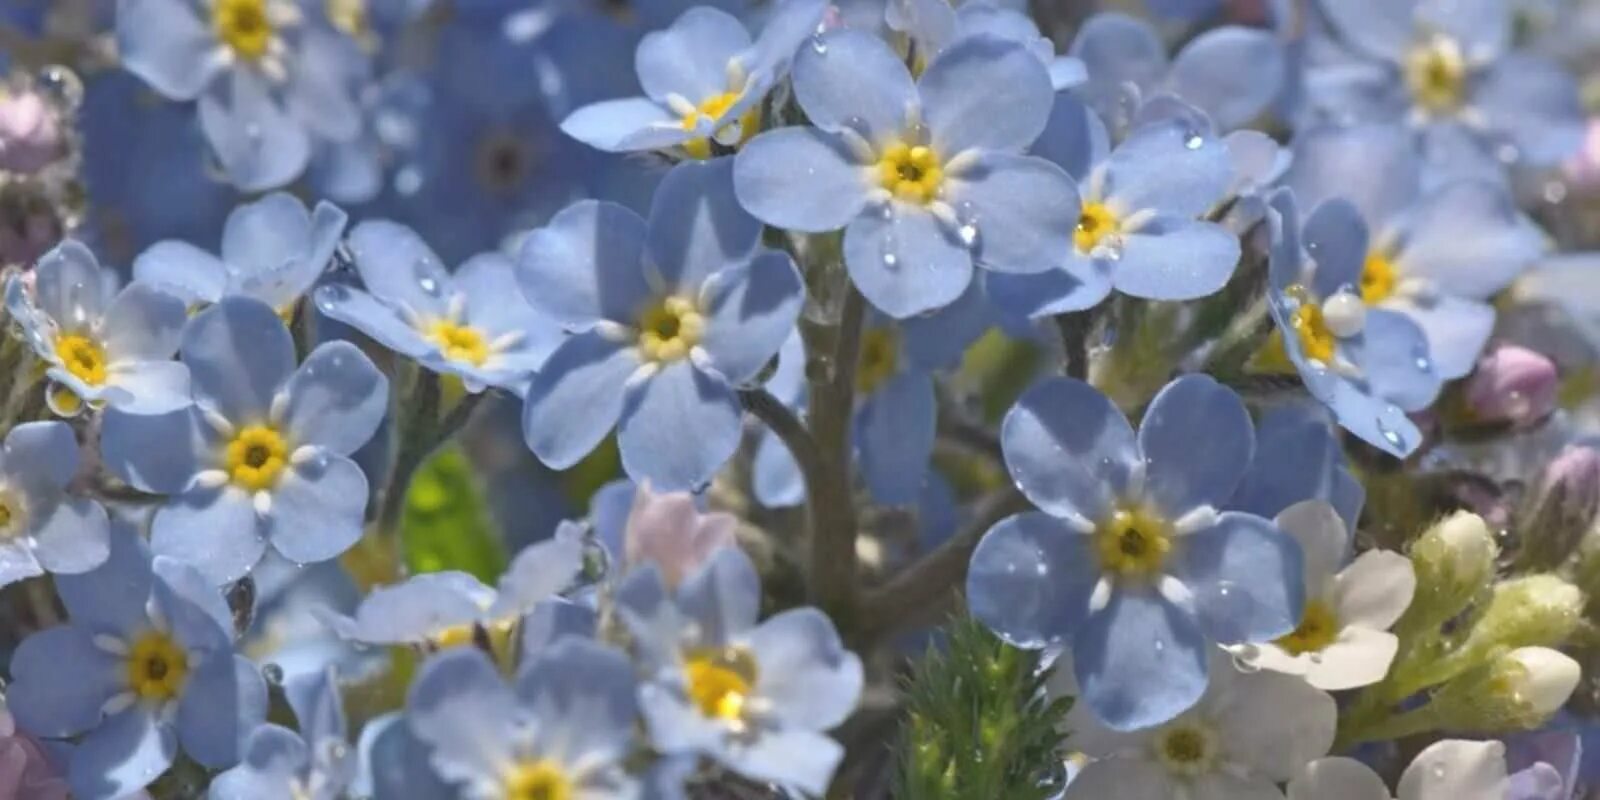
(41, 527)
(1297, 458)
(267, 79)
(145, 666)
(668, 317)
(704, 81)
(934, 25)
(315, 764)
(261, 455)
(472, 324)
(562, 729)
(1369, 366)
(103, 347)
(1131, 563)
(1436, 257)
(754, 697)
(926, 178)
(1450, 71)
(1139, 230)
(272, 250)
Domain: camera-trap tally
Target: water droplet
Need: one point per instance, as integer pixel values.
(1160, 646)
(428, 276)
(1042, 569)
(1194, 142)
(968, 234)
(273, 673)
(62, 85)
(1555, 192)
(1243, 662)
(330, 297)
(253, 133)
(819, 45)
(1390, 435)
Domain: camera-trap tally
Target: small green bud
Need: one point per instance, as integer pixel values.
(1517, 691)
(1533, 611)
(1454, 560)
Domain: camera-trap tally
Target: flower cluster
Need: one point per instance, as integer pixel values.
(570, 400)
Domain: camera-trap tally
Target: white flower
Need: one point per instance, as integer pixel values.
(1449, 770)
(1248, 733)
(1342, 641)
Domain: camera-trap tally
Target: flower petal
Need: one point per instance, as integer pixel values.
(1031, 578)
(122, 756)
(904, 261)
(152, 452)
(238, 353)
(1470, 239)
(272, 759)
(800, 179)
(397, 266)
(68, 285)
(1247, 578)
(1373, 167)
(317, 508)
(690, 57)
(1197, 441)
(1175, 259)
(72, 537)
(576, 398)
(1168, 167)
(60, 680)
(623, 125)
(222, 703)
(336, 399)
(1375, 590)
(586, 265)
(461, 706)
(166, 43)
(985, 93)
(111, 597)
(1022, 209)
(1068, 448)
(851, 79)
(1393, 353)
(1457, 329)
(697, 225)
(894, 433)
(260, 146)
(182, 270)
(1232, 73)
(1456, 770)
(588, 689)
(750, 309)
(1337, 778)
(1140, 661)
(678, 428)
(216, 531)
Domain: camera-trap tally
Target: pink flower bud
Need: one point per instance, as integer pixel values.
(30, 135)
(25, 772)
(1513, 384)
(667, 530)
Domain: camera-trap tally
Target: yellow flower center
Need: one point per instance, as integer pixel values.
(1095, 222)
(720, 682)
(540, 779)
(462, 343)
(669, 329)
(1185, 749)
(83, 357)
(256, 457)
(244, 26)
(156, 667)
(12, 514)
(65, 401)
(712, 109)
(912, 173)
(349, 16)
(497, 632)
(880, 356)
(1318, 628)
(1436, 73)
(1133, 542)
(1315, 338)
(1378, 278)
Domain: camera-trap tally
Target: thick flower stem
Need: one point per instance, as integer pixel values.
(831, 576)
(1075, 343)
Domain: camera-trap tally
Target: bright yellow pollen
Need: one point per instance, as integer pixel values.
(912, 173)
(83, 357)
(349, 16)
(880, 357)
(256, 457)
(243, 25)
(1133, 542)
(1436, 73)
(720, 682)
(669, 329)
(156, 666)
(1309, 326)
(1095, 222)
(1318, 628)
(537, 780)
(498, 633)
(1378, 278)
(65, 401)
(461, 343)
(712, 109)
(12, 514)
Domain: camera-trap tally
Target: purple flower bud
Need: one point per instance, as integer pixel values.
(26, 773)
(30, 134)
(1563, 509)
(1576, 472)
(1513, 384)
(669, 531)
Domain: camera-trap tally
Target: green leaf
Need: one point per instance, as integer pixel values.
(446, 524)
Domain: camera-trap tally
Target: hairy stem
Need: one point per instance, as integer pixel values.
(831, 575)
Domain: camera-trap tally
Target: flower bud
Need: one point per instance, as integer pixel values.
(1537, 610)
(1513, 384)
(1519, 690)
(30, 134)
(1454, 560)
(1562, 509)
(1538, 678)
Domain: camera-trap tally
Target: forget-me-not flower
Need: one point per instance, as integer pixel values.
(145, 665)
(272, 250)
(102, 347)
(315, 763)
(927, 177)
(1131, 563)
(561, 730)
(755, 697)
(41, 527)
(1368, 366)
(1436, 256)
(472, 323)
(262, 455)
(267, 78)
(667, 318)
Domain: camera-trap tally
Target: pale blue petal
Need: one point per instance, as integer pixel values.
(145, 387)
(461, 706)
(630, 123)
(1117, 49)
(336, 399)
(750, 310)
(1232, 73)
(800, 179)
(1536, 103)
(397, 762)
(724, 596)
(812, 681)
(152, 452)
(851, 79)
(905, 262)
(192, 606)
(540, 571)
(789, 24)
(690, 58)
(678, 428)
(1068, 448)
(576, 399)
(1393, 353)
(222, 703)
(273, 757)
(1246, 577)
(317, 509)
(1197, 440)
(553, 620)
(182, 270)
(1470, 239)
(43, 455)
(68, 285)
(1382, 28)
(586, 689)
(495, 303)
(1030, 580)
(1056, 291)
(985, 93)
(894, 433)
(1074, 138)
(111, 598)
(166, 43)
(938, 340)
(266, 234)
(17, 562)
(586, 265)
(1140, 661)
(71, 537)
(775, 476)
(238, 353)
(122, 756)
(397, 266)
(1172, 258)
(1022, 209)
(1169, 167)
(1337, 239)
(216, 531)
(1483, 27)
(411, 611)
(788, 757)
(260, 146)
(59, 681)
(1374, 167)
(1456, 329)
(373, 317)
(697, 225)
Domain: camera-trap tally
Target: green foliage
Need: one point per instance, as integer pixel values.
(446, 524)
(979, 726)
